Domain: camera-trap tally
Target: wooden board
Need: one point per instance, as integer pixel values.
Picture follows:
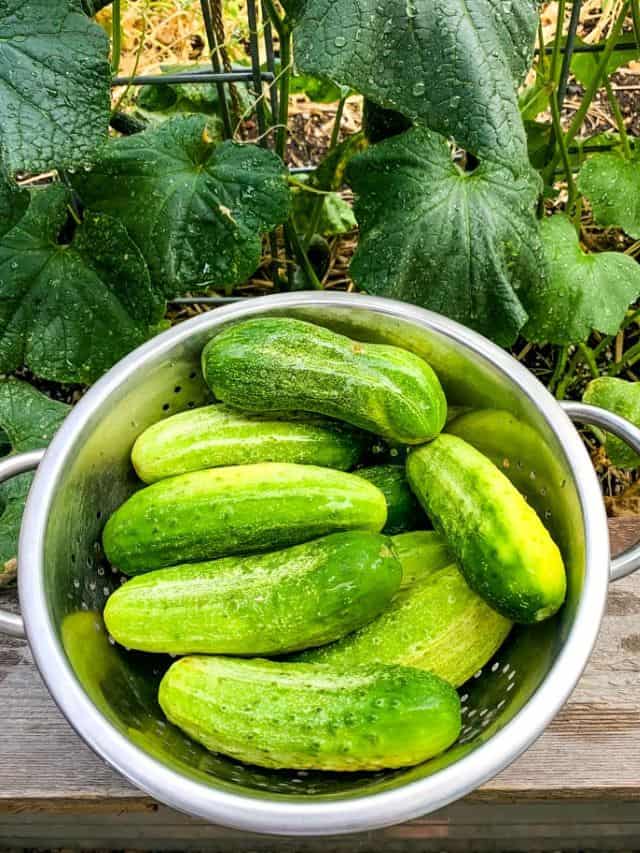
(589, 756)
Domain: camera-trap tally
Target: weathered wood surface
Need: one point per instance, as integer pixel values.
(588, 757)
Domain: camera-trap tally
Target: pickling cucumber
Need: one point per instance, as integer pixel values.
(403, 510)
(239, 509)
(275, 363)
(436, 622)
(302, 596)
(303, 716)
(421, 552)
(217, 435)
(502, 548)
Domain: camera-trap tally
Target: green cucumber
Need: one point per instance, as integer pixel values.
(217, 435)
(504, 551)
(403, 510)
(275, 363)
(303, 716)
(421, 552)
(436, 623)
(240, 509)
(262, 604)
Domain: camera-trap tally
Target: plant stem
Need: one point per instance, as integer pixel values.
(301, 256)
(542, 54)
(116, 36)
(271, 63)
(254, 50)
(283, 96)
(568, 52)
(617, 114)
(593, 87)
(562, 146)
(217, 67)
(318, 204)
(283, 28)
(630, 357)
(557, 41)
(569, 376)
(635, 14)
(561, 362)
(589, 358)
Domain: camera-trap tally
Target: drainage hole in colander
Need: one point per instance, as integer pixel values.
(165, 407)
(177, 389)
(193, 374)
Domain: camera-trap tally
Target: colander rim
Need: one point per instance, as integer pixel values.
(260, 813)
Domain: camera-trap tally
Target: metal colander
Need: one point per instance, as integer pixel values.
(109, 695)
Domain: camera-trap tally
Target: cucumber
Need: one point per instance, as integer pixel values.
(502, 548)
(403, 510)
(436, 623)
(217, 435)
(274, 363)
(262, 604)
(421, 552)
(240, 509)
(303, 716)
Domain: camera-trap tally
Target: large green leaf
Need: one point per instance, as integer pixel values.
(196, 210)
(611, 183)
(464, 244)
(622, 398)
(54, 85)
(453, 65)
(69, 311)
(581, 291)
(28, 420)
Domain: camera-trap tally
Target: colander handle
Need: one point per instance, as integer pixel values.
(11, 466)
(627, 562)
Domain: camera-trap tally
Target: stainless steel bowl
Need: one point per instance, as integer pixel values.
(109, 696)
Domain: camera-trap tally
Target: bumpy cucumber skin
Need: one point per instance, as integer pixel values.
(240, 509)
(301, 716)
(403, 510)
(262, 604)
(504, 551)
(275, 363)
(218, 435)
(436, 623)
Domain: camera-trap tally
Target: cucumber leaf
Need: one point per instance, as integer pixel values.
(28, 420)
(622, 398)
(196, 210)
(467, 59)
(54, 85)
(336, 216)
(464, 244)
(611, 184)
(164, 100)
(13, 203)
(581, 291)
(68, 311)
(584, 66)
